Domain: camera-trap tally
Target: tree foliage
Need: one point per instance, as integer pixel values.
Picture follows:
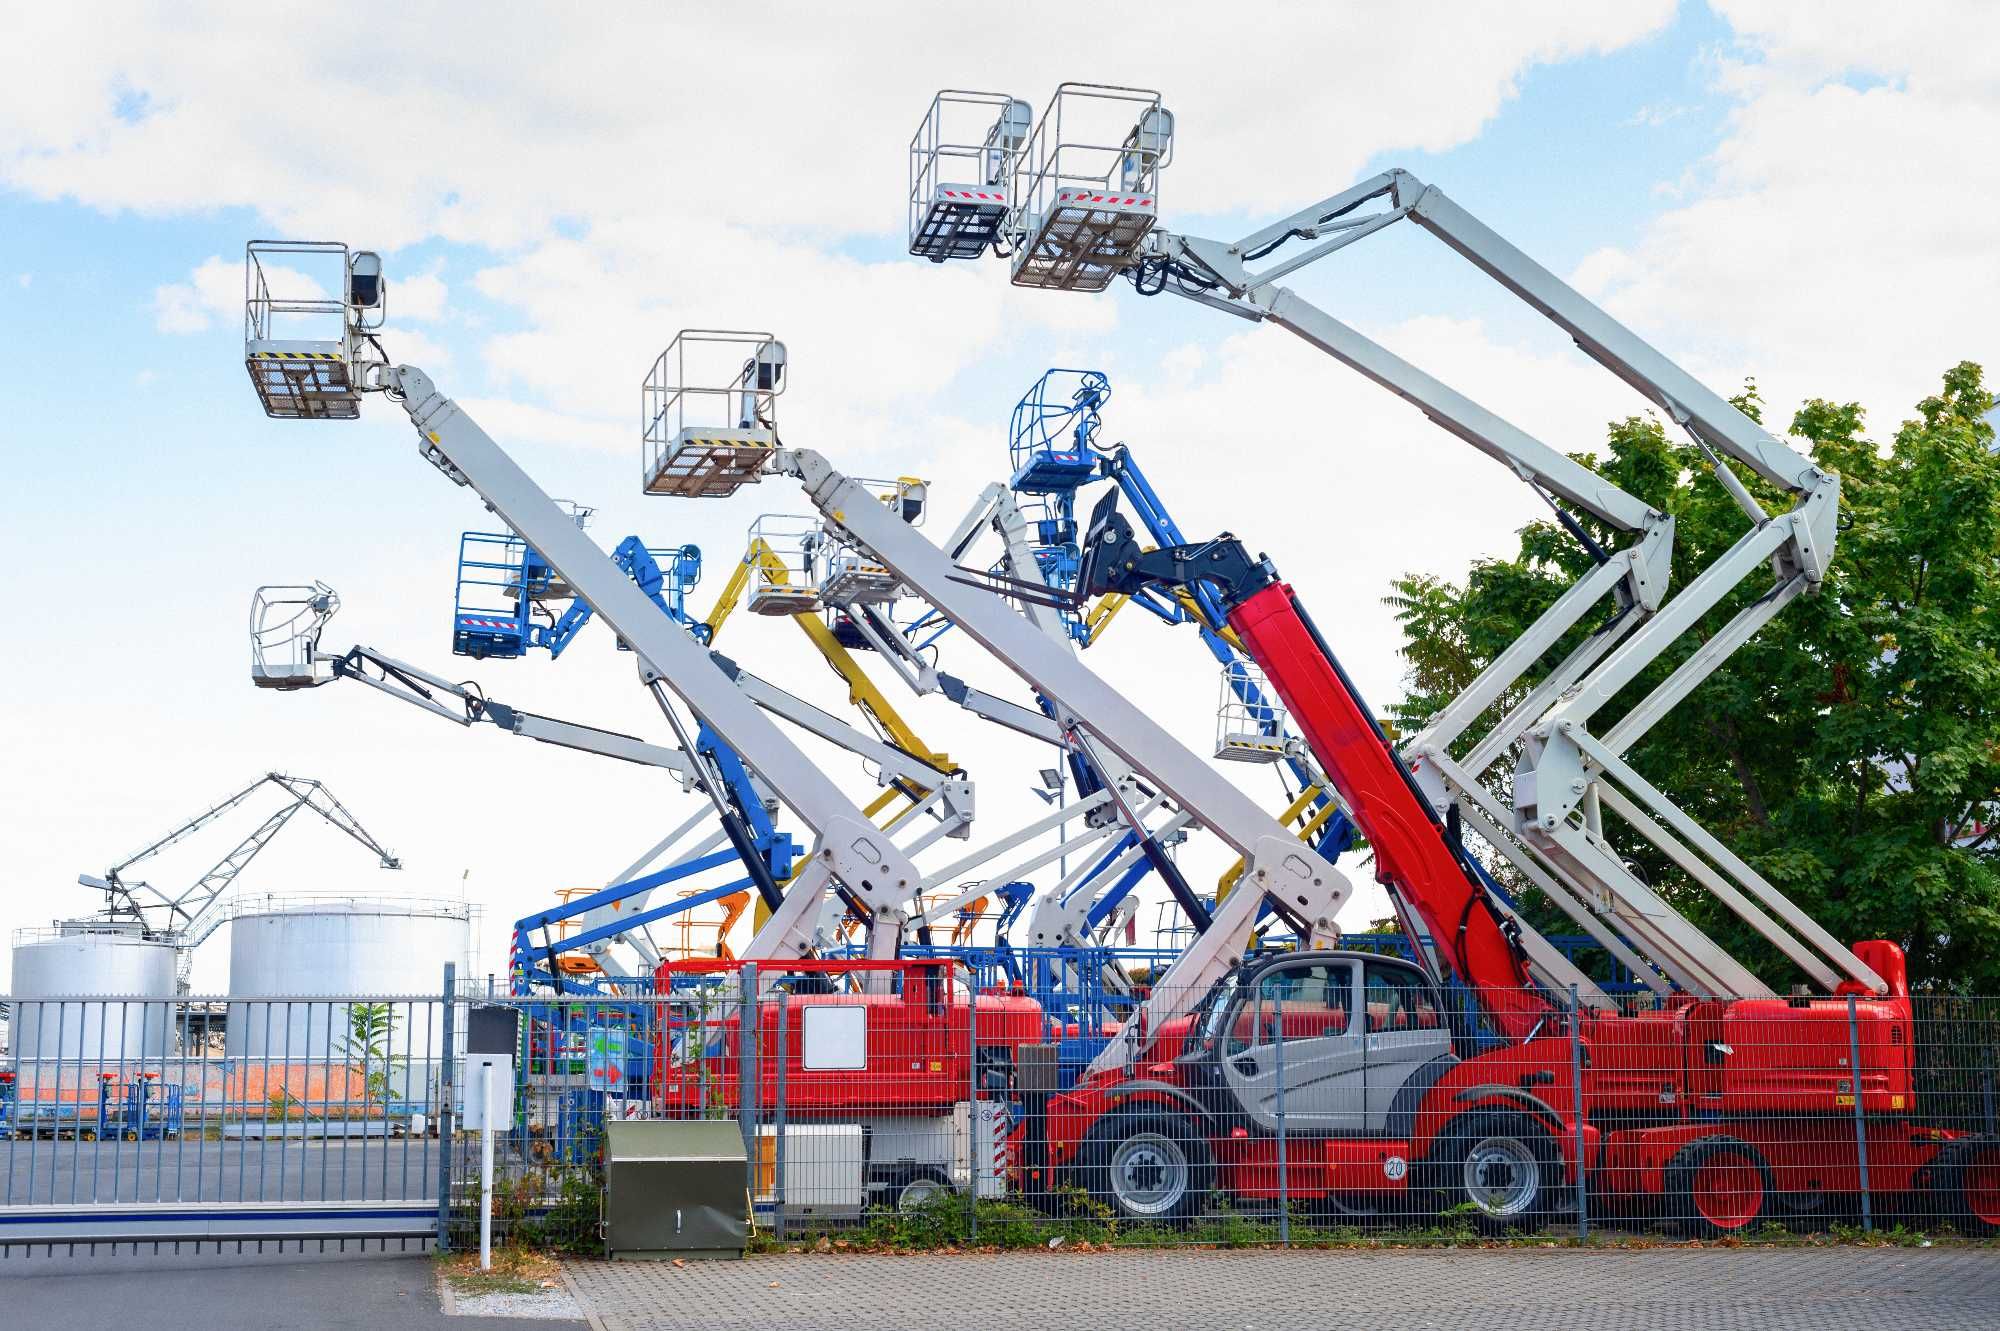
(1851, 750)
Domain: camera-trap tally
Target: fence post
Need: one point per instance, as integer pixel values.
(746, 1074)
(1576, 1112)
(444, 1116)
(1986, 1087)
(971, 1105)
(778, 1122)
(1860, 1119)
(1284, 1189)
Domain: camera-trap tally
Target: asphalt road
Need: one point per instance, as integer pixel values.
(237, 1294)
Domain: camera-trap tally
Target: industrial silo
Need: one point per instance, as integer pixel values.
(336, 1003)
(90, 999)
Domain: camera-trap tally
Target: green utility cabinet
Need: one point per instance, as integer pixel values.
(674, 1188)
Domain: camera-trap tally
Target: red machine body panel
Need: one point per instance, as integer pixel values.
(916, 1051)
(1411, 854)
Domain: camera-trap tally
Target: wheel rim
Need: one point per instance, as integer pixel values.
(1982, 1188)
(1502, 1176)
(1149, 1173)
(1728, 1191)
(917, 1192)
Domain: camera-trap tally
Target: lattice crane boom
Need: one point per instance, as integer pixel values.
(180, 915)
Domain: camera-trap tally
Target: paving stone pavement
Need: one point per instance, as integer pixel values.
(1669, 1289)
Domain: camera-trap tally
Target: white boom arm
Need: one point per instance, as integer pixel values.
(1098, 715)
(848, 852)
(1564, 775)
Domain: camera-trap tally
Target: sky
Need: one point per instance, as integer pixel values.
(1796, 193)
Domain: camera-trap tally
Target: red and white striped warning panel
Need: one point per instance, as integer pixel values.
(988, 195)
(1077, 198)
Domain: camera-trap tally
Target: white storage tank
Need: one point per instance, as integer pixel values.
(88, 962)
(284, 953)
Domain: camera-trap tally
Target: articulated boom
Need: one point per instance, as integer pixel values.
(1416, 855)
(850, 855)
(1566, 776)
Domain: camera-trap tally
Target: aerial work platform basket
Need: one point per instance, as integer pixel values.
(308, 350)
(851, 575)
(961, 164)
(786, 558)
(708, 412)
(1250, 723)
(506, 592)
(1086, 186)
(1051, 440)
(285, 624)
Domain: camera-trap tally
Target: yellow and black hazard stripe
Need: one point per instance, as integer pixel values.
(757, 444)
(295, 355)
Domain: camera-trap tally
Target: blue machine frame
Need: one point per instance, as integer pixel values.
(503, 582)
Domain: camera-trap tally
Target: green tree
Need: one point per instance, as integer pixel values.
(1851, 750)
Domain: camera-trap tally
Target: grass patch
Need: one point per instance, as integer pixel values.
(517, 1269)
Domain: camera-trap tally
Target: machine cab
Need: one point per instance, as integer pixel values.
(1338, 1034)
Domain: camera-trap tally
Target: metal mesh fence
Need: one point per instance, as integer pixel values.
(1307, 1098)
(1316, 1099)
(218, 1119)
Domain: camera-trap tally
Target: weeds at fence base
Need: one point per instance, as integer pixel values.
(943, 1225)
(517, 1269)
(543, 1213)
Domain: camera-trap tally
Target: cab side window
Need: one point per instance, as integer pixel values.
(1398, 1000)
(1309, 1002)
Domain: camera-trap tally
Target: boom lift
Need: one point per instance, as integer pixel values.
(1453, 1114)
(287, 623)
(801, 567)
(1063, 963)
(326, 376)
(1054, 448)
(1055, 455)
(763, 565)
(287, 627)
(1095, 718)
(1082, 213)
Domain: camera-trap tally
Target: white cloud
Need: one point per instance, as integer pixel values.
(1656, 114)
(1839, 240)
(625, 193)
(418, 296)
(178, 308)
(213, 294)
(26, 280)
(493, 133)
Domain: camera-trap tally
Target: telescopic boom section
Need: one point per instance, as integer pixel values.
(1414, 854)
(850, 852)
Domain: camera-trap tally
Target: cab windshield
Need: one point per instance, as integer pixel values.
(1215, 1008)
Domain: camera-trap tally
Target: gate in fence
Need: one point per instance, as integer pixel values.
(260, 1123)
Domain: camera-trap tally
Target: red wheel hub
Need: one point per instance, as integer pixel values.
(1982, 1187)
(1729, 1190)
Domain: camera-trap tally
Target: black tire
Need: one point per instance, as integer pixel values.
(1503, 1164)
(1148, 1166)
(1718, 1186)
(1965, 1181)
